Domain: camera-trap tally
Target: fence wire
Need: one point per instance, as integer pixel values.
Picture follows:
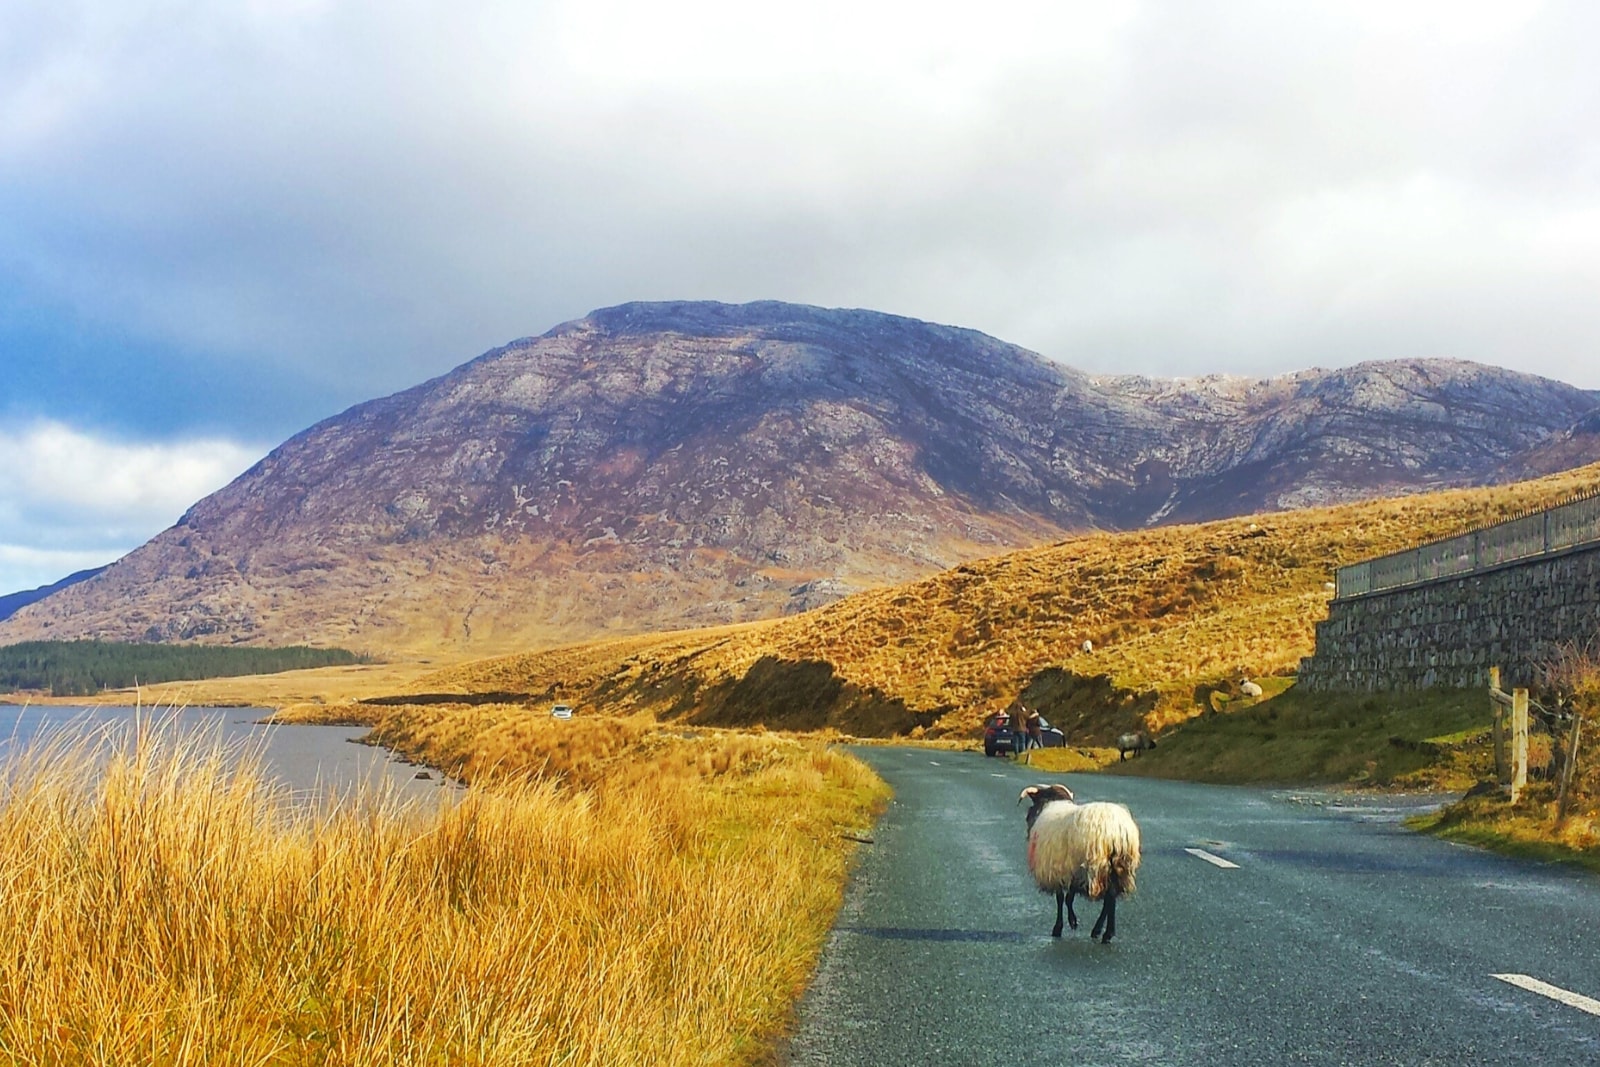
(1576, 522)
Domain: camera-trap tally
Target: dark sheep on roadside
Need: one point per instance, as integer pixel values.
(1135, 742)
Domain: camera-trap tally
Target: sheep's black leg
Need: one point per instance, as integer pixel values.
(1072, 916)
(1057, 931)
(1107, 920)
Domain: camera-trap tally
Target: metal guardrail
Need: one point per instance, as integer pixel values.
(1576, 522)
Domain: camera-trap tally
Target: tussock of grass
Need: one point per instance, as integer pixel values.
(1525, 829)
(161, 903)
(1069, 760)
(1169, 610)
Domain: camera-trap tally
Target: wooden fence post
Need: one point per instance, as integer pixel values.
(1566, 772)
(1502, 773)
(1519, 743)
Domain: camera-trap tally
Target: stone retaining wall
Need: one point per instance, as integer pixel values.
(1451, 631)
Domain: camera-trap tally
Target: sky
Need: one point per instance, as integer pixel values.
(223, 221)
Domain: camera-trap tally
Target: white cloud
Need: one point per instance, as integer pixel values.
(367, 193)
(70, 499)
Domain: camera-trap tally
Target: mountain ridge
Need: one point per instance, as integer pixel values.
(657, 466)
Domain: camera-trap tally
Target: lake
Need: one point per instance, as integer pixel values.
(310, 760)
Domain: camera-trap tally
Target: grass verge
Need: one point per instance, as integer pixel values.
(1526, 829)
(163, 903)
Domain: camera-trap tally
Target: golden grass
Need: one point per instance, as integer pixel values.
(1527, 828)
(1069, 760)
(160, 903)
(1168, 610)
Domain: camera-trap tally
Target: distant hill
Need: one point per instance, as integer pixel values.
(1172, 614)
(12, 603)
(661, 466)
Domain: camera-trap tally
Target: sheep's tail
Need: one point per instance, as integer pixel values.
(1123, 865)
(1113, 873)
(1114, 859)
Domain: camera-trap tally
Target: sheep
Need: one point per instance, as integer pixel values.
(1247, 688)
(1075, 848)
(1135, 742)
(1088, 646)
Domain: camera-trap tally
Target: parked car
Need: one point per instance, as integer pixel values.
(561, 711)
(999, 734)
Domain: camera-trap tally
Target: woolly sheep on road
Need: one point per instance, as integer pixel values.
(1074, 848)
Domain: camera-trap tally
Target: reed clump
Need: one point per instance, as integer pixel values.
(161, 901)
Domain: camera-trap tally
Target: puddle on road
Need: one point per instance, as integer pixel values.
(1369, 807)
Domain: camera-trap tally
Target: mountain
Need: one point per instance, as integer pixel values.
(659, 466)
(1575, 446)
(12, 603)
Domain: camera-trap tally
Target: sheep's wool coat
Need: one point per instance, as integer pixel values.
(1078, 846)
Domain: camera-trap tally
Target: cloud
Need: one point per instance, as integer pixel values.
(355, 195)
(70, 499)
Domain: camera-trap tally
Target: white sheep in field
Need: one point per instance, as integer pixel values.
(1075, 848)
(1247, 688)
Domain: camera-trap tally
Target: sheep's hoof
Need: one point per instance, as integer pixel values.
(1074, 924)
(1057, 931)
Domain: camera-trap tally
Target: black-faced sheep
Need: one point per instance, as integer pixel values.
(1074, 848)
(1135, 742)
(1247, 688)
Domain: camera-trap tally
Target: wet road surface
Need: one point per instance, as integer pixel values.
(1338, 937)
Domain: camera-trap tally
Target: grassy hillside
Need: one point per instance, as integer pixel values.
(1171, 613)
(1438, 738)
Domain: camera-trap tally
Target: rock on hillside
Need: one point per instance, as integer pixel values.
(657, 466)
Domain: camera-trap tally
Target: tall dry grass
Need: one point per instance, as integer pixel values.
(162, 903)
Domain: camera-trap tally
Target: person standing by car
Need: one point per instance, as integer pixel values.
(1033, 720)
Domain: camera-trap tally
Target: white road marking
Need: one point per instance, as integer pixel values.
(992, 774)
(1200, 853)
(935, 763)
(1554, 992)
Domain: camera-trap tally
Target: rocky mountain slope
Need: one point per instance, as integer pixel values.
(12, 603)
(658, 466)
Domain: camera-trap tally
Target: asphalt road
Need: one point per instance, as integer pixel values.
(1339, 938)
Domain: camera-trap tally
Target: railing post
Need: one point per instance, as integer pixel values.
(1547, 532)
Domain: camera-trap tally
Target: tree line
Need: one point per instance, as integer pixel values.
(80, 668)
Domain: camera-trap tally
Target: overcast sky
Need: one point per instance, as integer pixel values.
(222, 221)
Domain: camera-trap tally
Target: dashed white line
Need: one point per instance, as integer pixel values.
(935, 763)
(1554, 992)
(1202, 854)
(992, 774)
